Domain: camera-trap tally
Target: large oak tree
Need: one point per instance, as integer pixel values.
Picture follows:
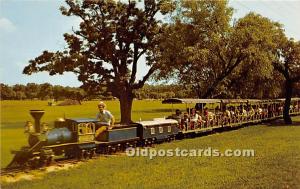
(106, 50)
(210, 47)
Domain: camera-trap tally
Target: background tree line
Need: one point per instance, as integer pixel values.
(47, 91)
(44, 91)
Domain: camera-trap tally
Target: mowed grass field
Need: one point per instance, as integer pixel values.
(276, 163)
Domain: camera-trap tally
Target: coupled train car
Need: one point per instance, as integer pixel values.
(76, 138)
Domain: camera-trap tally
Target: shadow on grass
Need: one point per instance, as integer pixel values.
(280, 123)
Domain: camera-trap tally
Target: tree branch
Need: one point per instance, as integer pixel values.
(296, 79)
(280, 68)
(145, 78)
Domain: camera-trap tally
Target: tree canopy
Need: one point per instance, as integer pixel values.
(210, 48)
(105, 51)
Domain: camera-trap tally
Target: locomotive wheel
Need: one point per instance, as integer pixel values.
(106, 149)
(49, 160)
(80, 154)
(119, 147)
(109, 150)
(70, 153)
(92, 153)
(46, 157)
(113, 149)
(86, 154)
(35, 162)
(152, 142)
(143, 143)
(173, 138)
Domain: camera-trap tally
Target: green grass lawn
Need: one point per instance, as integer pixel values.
(276, 163)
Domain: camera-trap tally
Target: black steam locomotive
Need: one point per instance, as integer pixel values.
(75, 138)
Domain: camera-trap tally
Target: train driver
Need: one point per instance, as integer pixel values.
(105, 118)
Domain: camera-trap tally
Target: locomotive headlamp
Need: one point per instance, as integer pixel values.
(28, 128)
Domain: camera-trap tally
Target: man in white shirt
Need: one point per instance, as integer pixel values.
(105, 118)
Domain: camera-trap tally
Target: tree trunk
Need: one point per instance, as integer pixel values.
(288, 96)
(126, 100)
(198, 91)
(211, 89)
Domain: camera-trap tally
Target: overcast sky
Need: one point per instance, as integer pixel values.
(27, 27)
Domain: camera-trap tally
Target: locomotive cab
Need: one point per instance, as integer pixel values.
(81, 129)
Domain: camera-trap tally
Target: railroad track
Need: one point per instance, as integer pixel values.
(20, 170)
(57, 162)
(11, 171)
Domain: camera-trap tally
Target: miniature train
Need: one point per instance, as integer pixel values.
(75, 138)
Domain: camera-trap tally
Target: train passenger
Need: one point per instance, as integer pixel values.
(265, 112)
(296, 107)
(278, 110)
(232, 114)
(281, 109)
(177, 116)
(244, 114)
(200, 120)
(206, 112)
(232, 111)
(226, 116)
(259, 111)
(227, 113)
(185, 121)
(251, 112)
(291, 108)
(209, 117)
(238, 111)
(206, 117)
(105, 118)
(194, 117)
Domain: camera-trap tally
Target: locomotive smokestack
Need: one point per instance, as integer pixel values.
(37, 114)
